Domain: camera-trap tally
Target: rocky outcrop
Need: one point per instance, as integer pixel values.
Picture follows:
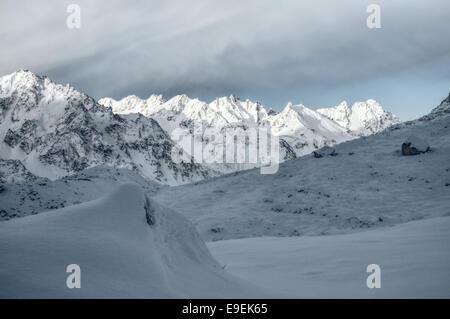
(414, 145)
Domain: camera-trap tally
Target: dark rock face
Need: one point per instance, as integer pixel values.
(149, 212)
(14, 170)
(288, 151)
(11, 138)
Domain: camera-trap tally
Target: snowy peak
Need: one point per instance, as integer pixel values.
(362, 118)
(54, 130)
(133, 104)
(295, 117)
(232, 109)
(21, 80)
(306, 130)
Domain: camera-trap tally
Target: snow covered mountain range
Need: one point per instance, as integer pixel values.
(51, 130)
(300, 129)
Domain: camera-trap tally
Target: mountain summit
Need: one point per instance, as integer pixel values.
(362, 118)
(54, 130)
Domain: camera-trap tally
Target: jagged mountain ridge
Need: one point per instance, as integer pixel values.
(207, 123)
(300, 129)
(362, 118)
(54, 130)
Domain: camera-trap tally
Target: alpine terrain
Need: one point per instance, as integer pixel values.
(97, 184)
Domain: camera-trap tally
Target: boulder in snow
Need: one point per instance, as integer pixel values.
(325, 151)
(414, 145)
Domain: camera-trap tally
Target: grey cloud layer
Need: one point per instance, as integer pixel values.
(206, 48)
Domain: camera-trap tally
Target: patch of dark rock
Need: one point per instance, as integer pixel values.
(216, 230)
(414, 146)
(149, 212)
(317, 155)
(304, 210)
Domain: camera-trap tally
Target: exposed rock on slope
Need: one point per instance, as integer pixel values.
(414, 145)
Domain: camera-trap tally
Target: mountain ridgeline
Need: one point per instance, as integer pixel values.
(51, 130)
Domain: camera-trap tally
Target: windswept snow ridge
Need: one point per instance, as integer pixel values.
(32, 196)
(126, 245)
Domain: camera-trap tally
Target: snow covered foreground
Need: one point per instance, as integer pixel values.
(414, 260)
(126, 246)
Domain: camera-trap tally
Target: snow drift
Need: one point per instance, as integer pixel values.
(126, 245)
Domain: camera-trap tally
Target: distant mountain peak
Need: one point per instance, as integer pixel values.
(362, 118)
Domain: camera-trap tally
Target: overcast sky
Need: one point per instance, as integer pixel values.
(315, 52)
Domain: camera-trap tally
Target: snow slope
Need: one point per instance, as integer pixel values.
(126, 245)
(440, 110)
(366, 183)
(414, 260)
